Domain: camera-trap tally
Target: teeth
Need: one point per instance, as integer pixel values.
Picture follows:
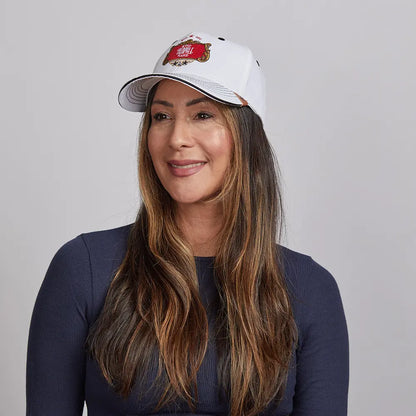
(192, 165)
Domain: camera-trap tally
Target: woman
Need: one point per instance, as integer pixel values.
(193, 309)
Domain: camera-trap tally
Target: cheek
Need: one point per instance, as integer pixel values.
(153, 146)
(218, 141)
(154, 150)
(225, 148)
(229, 146)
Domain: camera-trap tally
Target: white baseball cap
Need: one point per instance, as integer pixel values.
(218, 68)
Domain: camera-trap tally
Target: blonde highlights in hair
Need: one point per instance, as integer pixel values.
(153, 307)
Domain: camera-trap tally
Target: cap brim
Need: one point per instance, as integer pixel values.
(133, 94)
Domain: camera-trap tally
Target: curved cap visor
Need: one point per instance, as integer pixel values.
(133, 95)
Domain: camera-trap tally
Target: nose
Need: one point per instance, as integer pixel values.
(181, 134)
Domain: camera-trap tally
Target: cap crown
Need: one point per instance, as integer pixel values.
(217, 67)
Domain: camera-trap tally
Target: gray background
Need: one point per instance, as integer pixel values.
(341, 116)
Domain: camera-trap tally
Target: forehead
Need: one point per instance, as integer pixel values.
(170, 90)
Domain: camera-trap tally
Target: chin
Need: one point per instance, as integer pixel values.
(186, 197)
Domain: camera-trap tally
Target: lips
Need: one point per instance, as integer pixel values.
(185, 167)
(191, 165)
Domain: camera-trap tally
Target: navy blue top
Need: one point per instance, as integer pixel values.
(60, 376)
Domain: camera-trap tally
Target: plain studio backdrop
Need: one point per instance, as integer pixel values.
(341, 117)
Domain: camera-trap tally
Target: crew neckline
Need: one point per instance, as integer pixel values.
(204, 258)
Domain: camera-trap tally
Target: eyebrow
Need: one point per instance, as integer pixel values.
(197, 101)
(163, 102)
(188, 104)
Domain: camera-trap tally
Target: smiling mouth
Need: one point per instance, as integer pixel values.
(191, 165)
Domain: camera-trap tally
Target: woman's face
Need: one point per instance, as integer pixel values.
(189, 142)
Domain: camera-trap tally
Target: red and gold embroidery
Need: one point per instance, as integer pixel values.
(187, 52)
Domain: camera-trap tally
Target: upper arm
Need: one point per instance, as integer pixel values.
(58, 329)
(322, 358)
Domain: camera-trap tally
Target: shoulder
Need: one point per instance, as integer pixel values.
(313, 290)
(304, 275)
(80, 252)
(85, 266)
(106, 241)
(103, 240)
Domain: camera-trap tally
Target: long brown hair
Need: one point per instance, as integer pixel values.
(153, 302)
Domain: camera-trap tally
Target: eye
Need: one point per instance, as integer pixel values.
(203, 115)
(160, 116)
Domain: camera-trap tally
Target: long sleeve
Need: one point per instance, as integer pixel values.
(322, 371)
(59, 326)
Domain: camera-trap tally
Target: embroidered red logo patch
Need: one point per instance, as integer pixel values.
(187, 52)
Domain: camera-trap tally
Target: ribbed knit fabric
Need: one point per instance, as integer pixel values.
(60, 376)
